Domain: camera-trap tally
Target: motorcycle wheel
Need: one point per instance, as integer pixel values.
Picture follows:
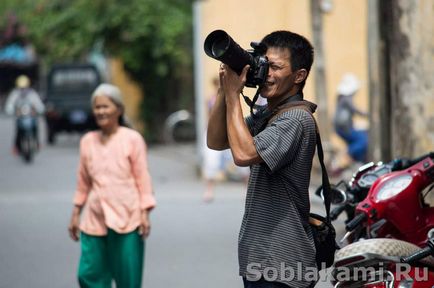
(27, 148)
(51, 138)
(51, 133)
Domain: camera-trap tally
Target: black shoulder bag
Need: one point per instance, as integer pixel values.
(324, 233)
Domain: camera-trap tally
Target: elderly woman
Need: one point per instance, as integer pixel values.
(115, 194)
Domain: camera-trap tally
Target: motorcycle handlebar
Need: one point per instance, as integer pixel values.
(336, 212)
(359, 218)
(405, 163)
(419, 255)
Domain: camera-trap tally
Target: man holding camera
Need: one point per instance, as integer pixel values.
(276, 247)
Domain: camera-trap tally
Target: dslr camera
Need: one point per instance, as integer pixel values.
(220, 46)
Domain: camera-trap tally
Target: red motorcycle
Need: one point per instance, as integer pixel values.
(394, 220)
(347, 195)
(399, 205)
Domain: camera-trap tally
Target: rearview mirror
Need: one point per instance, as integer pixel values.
(338, 196)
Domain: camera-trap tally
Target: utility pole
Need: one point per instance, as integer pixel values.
(379, 83)
(319, 68)
(199, 80)
(406, 29)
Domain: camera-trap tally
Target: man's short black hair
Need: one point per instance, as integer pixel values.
(300, 49)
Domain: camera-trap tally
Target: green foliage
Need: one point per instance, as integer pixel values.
(152, 37)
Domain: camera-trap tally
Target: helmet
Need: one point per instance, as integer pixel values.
(348, 85)
(22, 81)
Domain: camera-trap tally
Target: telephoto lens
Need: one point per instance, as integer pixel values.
(220, 46)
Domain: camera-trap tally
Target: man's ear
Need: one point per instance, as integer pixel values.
(300, 76)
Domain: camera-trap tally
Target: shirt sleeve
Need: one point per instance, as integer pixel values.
(279, 142)
(10, 103)
(37, 102)
(83, 179)
(141, 174)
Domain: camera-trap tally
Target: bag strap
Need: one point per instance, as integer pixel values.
(325, 179)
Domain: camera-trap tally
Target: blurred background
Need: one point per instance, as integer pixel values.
(153, 50)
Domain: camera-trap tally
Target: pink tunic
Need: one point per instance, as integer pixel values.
(113, 181)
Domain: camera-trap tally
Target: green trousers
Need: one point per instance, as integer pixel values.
(117, 257)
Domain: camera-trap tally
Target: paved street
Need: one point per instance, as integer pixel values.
(192, 244)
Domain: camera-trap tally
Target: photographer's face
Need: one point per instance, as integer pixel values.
(280, 79)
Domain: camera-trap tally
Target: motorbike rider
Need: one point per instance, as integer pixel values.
(21, 95)
(356, 139)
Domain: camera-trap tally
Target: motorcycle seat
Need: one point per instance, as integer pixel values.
(384, 248)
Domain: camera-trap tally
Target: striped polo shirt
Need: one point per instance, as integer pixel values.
(275, 235)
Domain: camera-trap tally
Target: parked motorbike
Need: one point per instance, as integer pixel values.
(390, 225)
(399, 205)
(27, 138)
(347, 195)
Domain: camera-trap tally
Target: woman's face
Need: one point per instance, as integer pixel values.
(106, 112)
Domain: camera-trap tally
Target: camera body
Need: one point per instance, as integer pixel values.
(220, 46)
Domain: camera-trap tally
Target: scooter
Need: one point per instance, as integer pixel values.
(27, 138)
(346, 195)
(399, 205)
(391, 224)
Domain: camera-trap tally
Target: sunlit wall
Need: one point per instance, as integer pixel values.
(344, 40)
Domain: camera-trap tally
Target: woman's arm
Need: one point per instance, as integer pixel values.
(143, 181)
(81, 193)
(83, 178)
(139, 165)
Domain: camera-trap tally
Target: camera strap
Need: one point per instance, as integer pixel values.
(251, 103)
(307, 106)
(263, 113)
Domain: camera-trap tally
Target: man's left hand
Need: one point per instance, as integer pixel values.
(232, 83)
